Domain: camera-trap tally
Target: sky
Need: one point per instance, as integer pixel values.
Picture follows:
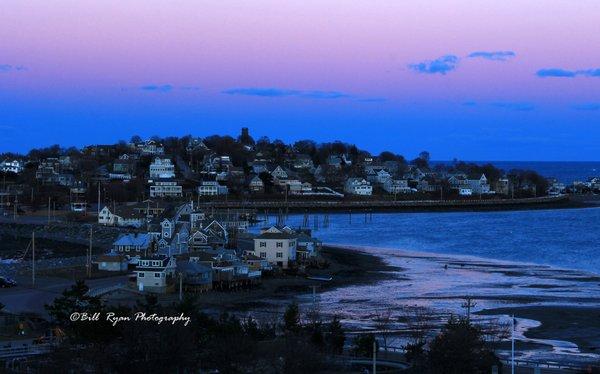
(473, 80)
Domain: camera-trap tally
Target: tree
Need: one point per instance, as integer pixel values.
(362, 346)
(291, 318)
(136, 139)
(335, 336)
(460, 349)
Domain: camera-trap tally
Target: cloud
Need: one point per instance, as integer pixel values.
(493, 56)
(5, 68)
(163, 88)
(517, 106)
(587, 106)
(554, 72)
(441, 65)
(157, 88)
(564, 73)
(279, 92)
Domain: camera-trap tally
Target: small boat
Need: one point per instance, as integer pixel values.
(321, 278)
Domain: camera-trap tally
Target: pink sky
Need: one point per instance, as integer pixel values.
(106, 49)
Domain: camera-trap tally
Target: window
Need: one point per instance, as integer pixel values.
(279, 244)
(279, 255)
(263, 254)
(263, 244)
(141, 275)
(156, 275)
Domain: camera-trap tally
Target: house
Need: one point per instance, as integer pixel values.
(155, 273)
(303, 161)
(279, 173)
(358, 186)
(502, 186)
(11, 166)
(124, 166)
(133, 244)
(112, 262)
(465, 191)
(162, 168)
(479, 185)
(277, 246)
(196, 145)
(196, 277)
(48, 171)
(307, 247)
(165, 188)
(212, 188)
(150, 147)
(256, 185)
(257, 263)
(338, 160)
(396, 186)
(122, 216)
(382, 176)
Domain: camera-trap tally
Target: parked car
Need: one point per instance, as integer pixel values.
(7, 282)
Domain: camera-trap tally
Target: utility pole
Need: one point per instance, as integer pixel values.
(180, 287)
(49, 198)
(375, 357)
(89, 256)
(33, 258)
(512, 348)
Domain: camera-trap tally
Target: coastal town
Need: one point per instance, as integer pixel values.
(206, 217)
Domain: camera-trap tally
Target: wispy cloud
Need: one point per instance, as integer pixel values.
(6, 68)
(273, 92)
(164, 88)
(157, 88)
(441, 65)
(516, 106)
(565, 73)
(493, 56)
(587, 106)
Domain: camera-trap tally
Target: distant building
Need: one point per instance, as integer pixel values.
(121, 216)
(165, 188)
(150, 147)
(397, 186)
(212, 188)
(155, 273)
(276, 246)
(112, 262)
(358, 186)
(256, 185)
(11, 166)
(162, 168)
(133, 244)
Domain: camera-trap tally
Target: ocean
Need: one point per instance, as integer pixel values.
(565, 171)
(564, 238)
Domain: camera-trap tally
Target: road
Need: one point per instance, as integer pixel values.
(25, 298)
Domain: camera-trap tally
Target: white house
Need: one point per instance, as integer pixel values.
(150, 147)
(212, 188)
(166, 188)
(155, 273)
(479, 186)
(277, 246)
(279, 173)
(358, 186)
(396, 186)
(256, 184)
(121, 216)
(14, 166)
(162, 168)
(383, 176)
